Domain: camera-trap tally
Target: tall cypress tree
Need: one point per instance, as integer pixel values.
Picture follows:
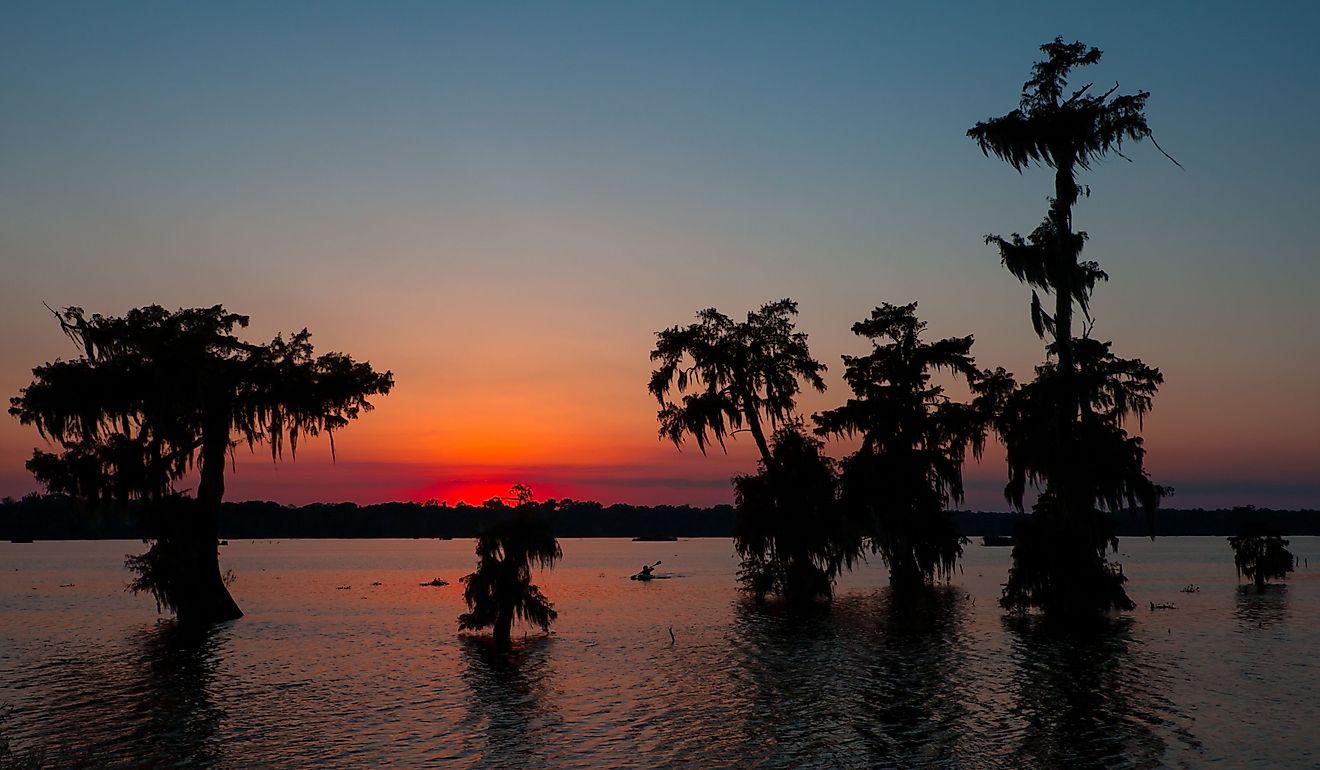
(1064, 431)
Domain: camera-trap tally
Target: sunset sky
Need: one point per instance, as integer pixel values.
(502, 203)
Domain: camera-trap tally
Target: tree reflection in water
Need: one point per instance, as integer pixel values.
(885, 681)
(872, 681)
(1083, 698)
(1261, 610)
(919, 654)
(177, 724)
(510, 700)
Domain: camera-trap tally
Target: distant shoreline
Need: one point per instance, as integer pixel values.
(56, 518)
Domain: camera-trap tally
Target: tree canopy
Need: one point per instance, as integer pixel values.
(1054, 127)
(914, 440)
(152, 389)
(1109, 464)
(740, 372)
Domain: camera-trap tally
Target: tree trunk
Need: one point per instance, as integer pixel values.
(905, 574)
(203, 596)
(1075, 497)
(758, 435)
(503, 626)
(1065, 193)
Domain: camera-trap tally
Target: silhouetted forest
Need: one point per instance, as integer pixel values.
(54, 517)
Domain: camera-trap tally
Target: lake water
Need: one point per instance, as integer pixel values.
(376, 675)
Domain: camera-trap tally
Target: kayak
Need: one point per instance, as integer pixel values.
(642, 576)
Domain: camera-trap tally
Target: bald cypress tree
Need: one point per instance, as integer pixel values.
(1065, 431)
(746, 375)
(154, 396)
(1261, 554)
(500, 590)
(914, 441)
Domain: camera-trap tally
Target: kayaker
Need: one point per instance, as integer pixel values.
(646, 571)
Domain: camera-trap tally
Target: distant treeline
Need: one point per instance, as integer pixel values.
(53, 517)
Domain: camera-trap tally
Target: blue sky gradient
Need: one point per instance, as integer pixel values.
(503, 204)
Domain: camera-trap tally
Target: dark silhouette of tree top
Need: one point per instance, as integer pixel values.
(153, 391)
(1065, 133)
(896, 409)
(157, 393)
(521, 494)
(1060, 129)
(739, 371)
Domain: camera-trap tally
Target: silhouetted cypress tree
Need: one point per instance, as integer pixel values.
(1260, 554)
(1064, 430)
(791, 532)
(501, 589)
(915, 439)
(155, 394)
(748, 373)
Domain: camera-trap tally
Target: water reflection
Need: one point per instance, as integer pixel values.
(1082, 698)
(942, 682)
(873, 681)
(1262, 610)
(176, 723)
(795, 668)
(918, 654)
(511, 703)
(144, 701)
(12, 757)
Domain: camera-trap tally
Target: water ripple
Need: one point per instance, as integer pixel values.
(314, 678)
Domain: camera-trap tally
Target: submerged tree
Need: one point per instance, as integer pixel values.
(157, 394)
(1261, 554)
(1059, 563)
(750, 373)
(914, 441)
(1059, 557)
(792, 534)
(501, 588)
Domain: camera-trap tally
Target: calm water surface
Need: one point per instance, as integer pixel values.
(375, 674)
